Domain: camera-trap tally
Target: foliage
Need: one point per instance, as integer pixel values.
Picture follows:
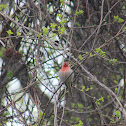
(2, 49)
(79, 12)
(80, 123)
(10, 74)
(118, 19)
(45, 31)
(18, 33)
(3, 6)
(102, 53)
(80, 57)
(53, 25)
(9, 32)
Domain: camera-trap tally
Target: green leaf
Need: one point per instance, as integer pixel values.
(48, 72)
(116, 18)
(53, 25)
(77, 118)
(116, 89)
(71, 119)
(78, 12)
(2, 49)
(6, 114)
(115, 81)
(79, 124)
(62, 22)
(112, 61)
(53, 35)
(105, 23)
(91, 55)
(83, 88)
(102, 99)
(78, 24)
(61, 30)
(9, 32)
(111, 120)
(98, 103)
(10, 74)
(62, 1)
(108, 96)
(1, 54)
(18, 33)
(117, 38)
(45, 30)
(120, 20)
(80, 105)
(60, 16)
(3, 6)
(80, 57)
(99, 51)
(38, 35)
(117, 113)
(87, 89)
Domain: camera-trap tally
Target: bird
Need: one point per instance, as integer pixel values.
(66, 75)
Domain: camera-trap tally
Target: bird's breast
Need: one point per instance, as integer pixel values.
(65, 74)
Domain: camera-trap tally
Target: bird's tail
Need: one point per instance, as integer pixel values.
(69, 89)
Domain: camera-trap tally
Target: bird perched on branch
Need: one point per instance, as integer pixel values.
(66, 75)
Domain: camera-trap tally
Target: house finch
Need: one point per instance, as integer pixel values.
(66, 75)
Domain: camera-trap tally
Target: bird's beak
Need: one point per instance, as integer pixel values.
(66, 63)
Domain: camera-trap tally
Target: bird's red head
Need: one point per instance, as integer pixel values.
(66, 64)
